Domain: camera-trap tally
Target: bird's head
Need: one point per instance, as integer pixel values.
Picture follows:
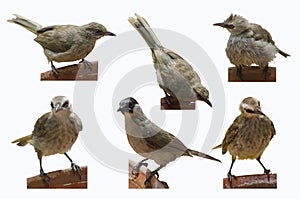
(235, 24)
(204, 95)
(128, 105)
(60, 105)
(97, 30)
(251, 105)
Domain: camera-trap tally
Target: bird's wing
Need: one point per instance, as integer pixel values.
(231, 133)
(166, 142)
(185, 70)
(57, 39)
(76, 121)
(261, 34)
(42, 126)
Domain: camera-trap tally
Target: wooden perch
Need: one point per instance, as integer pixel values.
(80, 71)
(252, 181)
(176, 105)
(253, 74)
(60, 179)
(137, 181)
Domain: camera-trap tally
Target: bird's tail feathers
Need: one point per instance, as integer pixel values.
(23, 140)
(26, 23)
(283, 53)
(202, 155)
(142, 26)
(216, 147)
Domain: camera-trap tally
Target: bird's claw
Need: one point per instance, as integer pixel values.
(45, 177)
(87, 64)
(136, 169)
(230, 176)
(265, 72)
(267, 172)
(153, 173)
(76, 169)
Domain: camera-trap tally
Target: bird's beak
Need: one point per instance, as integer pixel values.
(58, 108)
(208, 102)
(109, 34)
(224, 25)
(258, 110)
(119, 109)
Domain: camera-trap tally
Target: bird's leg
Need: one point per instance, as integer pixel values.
(265, 71)
(44, 175)
(229, 175)
(155, 172)
(168, 100)
(54, 69)
(266, 171)
(74, 166)
(239, 72)
(136, 169)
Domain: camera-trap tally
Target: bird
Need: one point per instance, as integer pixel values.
(175, 76)
(64, 43)
(54, 133)
(150, 141)
(248, 44)
(249, 134)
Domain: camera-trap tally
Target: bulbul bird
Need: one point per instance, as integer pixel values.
(54, 132)
(174, 74)
(64, 43)
(150, 141)
(248, 44)
(249, 134)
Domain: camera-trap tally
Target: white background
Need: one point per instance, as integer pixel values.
(24, 98)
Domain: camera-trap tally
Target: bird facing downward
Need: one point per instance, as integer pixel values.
(174, 74)
(64, 43)
(249, 134)
(54, 132)
(248, 44)
(150, 141)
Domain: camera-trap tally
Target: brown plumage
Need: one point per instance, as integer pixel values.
(54, 132)
(174, 74)
(64, 43)
(150, 141)
(248, 44)
(249, 134)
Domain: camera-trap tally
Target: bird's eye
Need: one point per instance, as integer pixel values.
(98, 31)
(52, 105)
(65, 104)
(131, 105)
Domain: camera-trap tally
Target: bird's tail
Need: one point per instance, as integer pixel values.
(202, 155)
(142, 26)
(23, 140)
(26, 23)
(216, 147)
(283, 53)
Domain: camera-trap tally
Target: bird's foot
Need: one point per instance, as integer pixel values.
(76, 169)
(136, 169)
(230, 176)
(87, 64)
(267, 172)
(45, 177)
(151, 175)
(265, 72)
(239, 73)
(54, 70)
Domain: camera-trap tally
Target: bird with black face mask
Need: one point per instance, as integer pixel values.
(54, 132)
(248, 44)
(174, 74)
(150, 141)
(249, 134)
(64, 43)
